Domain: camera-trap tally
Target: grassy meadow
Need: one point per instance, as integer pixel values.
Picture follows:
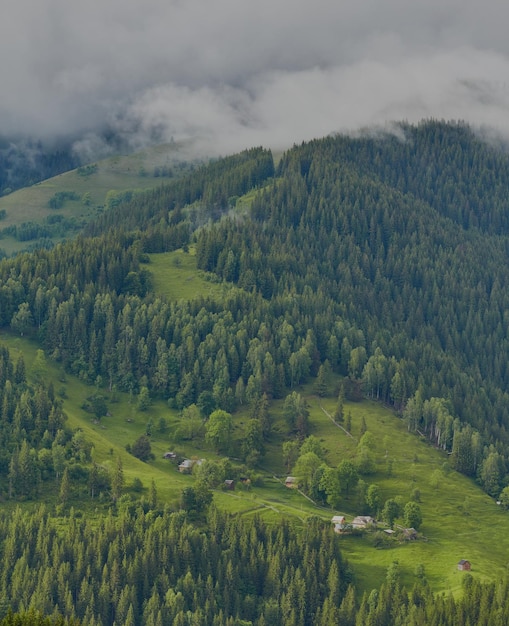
(460, 521)
(175, 277)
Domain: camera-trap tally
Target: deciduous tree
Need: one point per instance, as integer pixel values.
(219, 430)
(413, 515)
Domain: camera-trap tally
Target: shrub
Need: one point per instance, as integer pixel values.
(142, 449)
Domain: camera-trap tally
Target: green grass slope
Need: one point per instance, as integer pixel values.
(117, 173)
(175, 277)
(459, 520)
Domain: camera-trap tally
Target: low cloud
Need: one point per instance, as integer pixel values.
(231, 73)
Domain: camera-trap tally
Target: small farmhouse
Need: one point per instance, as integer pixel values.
(169, 455)
(409, 534)
(291, 482)
(186, 466)
(464, 565)
(339, 523)
(229, 485)
(362, 521)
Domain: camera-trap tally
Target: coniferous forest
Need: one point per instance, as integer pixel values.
(382, 258)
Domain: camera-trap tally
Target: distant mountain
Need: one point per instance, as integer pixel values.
(41, 214)
(24, 163)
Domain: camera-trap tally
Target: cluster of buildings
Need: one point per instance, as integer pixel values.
(360, 522)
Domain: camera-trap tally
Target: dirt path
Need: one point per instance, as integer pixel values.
(334, 422)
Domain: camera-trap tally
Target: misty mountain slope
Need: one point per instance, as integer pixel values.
(61, 206)
(24, 163)
(214, 186)
(444, 164)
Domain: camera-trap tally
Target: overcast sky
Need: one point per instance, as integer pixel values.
(239, 73)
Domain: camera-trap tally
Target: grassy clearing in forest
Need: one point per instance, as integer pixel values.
(459, 520)
(175, 277)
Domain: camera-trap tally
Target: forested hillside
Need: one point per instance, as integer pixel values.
(334, 263)
(381, 260)
(158, 568)
(428, 295)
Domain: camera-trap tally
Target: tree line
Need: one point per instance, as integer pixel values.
(157, 568)
(39, 453)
